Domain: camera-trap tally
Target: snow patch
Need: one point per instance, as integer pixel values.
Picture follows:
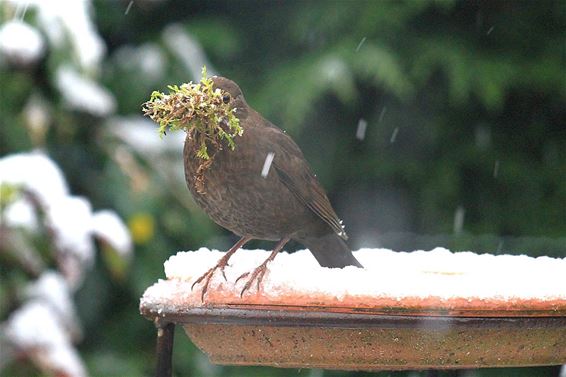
(108, 226)
(70, 218)
(52, 288)
(439, 273)
(82, 93)
(141, 135)
(21, 214)
(64, 21)
(188, 50)
(20, 42)
(147, 58)
(36, 172)
(35, 329)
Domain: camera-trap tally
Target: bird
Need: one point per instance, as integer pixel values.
(263, 189)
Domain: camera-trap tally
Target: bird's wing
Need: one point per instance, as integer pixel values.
(296, 175)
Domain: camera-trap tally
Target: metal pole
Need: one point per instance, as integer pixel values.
(165, 335)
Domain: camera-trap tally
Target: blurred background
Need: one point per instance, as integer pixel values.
(429, 123)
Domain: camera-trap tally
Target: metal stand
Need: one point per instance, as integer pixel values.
(165, 335)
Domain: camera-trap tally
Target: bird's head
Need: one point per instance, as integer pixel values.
(231, 93)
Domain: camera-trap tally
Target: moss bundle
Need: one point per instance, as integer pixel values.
(200, 110)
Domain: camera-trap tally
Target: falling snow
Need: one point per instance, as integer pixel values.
(496, 169)
(361, 44)
(382, 114)
(361, 131)
(394, 135)
(21, 10)
(128, 8)
(267, 164)
(459, 219)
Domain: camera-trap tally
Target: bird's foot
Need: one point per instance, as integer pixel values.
(260, 271)
(207, 276)
(222, 263)
(256, 275)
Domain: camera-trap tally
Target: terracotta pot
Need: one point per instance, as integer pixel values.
(361, 332)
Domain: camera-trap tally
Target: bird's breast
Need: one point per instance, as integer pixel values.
(236, 195)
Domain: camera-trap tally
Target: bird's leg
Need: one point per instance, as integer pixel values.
(259, 272)
(220, 265)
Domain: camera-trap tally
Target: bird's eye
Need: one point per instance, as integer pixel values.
(226, 98)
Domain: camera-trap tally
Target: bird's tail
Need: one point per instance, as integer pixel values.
(331, 251)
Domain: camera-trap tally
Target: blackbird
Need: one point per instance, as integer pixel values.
(263, 189)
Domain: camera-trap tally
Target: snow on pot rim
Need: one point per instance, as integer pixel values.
(425, 283)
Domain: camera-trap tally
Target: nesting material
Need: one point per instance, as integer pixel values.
(435, 282)
(199, 109)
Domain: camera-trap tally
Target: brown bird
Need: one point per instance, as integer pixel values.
(263, 189)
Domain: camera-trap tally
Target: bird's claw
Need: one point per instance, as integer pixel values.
(241, 277)
(222, 263)
(257, 275)
(207, 276)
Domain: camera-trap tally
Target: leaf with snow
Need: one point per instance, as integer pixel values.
(35, 172)
(187, 49)
(69, 21)
(20, 43)
(139, 134)
(82, 93)
(52, 289)
(21, 214)
(37, 330)
(69, 219)
(109, 227)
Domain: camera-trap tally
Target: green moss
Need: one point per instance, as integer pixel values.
(195, 107)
